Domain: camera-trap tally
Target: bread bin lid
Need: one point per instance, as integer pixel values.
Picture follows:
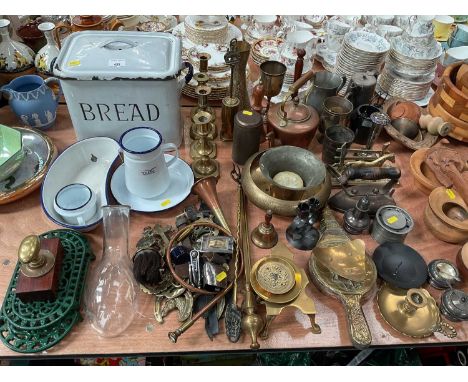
(108, 55)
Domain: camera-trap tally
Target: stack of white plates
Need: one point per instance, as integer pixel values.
(361, 52)
(410, 67)
(218, 72)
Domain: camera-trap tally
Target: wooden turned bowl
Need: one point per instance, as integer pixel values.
(446, 216)
(460, 128)
(462, 262)
(424, 178)
(404, 109)
(461, 81)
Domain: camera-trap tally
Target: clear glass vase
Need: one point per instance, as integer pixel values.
(112, 292)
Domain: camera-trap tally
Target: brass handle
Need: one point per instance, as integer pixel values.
(294, 88)
(28, 252)
(358, 329)
(34, 261)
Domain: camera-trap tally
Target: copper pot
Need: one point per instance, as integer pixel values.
(84, 23)
(293, 122)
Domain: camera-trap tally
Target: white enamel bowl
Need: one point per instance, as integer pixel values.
(87, 162)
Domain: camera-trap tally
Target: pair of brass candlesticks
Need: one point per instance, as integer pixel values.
(203, 129)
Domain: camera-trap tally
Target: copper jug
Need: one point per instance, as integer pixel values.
(293, 122)
(83, 23)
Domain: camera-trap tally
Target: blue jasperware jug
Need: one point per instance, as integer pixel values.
(33, 101)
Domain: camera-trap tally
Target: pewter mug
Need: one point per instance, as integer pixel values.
(323, 85)
(336, 142)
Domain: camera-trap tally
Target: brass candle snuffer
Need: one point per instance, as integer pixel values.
(341, 268)
(280, 283)
(252, 323)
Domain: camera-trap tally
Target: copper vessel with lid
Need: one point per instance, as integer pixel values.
(293, 122)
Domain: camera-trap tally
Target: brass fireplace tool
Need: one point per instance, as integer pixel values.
(341, 268)
(252, 323)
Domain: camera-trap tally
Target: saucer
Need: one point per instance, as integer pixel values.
(181, 182)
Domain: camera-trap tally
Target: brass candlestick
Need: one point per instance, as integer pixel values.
(203, 91)
(204, 58)
(202, 146)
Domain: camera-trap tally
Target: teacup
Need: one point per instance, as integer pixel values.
(76, 203)
(264, 24)
(456, 54)
(442, 26)
(146, 170)
(294, 41)
(461, 33)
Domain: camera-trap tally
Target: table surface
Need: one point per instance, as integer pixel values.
(291, 330)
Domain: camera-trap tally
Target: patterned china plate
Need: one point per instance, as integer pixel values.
(40, 153)
(367, 42)
(216, 51)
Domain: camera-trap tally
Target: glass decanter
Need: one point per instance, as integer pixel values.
(113, 292)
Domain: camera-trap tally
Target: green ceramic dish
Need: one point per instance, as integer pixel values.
(11, 151)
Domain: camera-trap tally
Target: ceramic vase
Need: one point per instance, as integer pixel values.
(14, 56)
(33, 101)
(48, 53)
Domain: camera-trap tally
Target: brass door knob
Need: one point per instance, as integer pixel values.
(34, 261)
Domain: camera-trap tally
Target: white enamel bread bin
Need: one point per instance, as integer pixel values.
(114, 81)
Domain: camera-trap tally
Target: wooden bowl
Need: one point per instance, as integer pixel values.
(424, 178)
(462, 262)
(460, 128)
(462, 77)
(404, 109)
(449, 80)
(440, 216)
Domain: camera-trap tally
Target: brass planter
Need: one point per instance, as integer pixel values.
(258, 190)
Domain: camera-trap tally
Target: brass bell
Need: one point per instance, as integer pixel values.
(265, 235)
(34, 261)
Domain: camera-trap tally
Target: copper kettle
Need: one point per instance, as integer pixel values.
(293, 122)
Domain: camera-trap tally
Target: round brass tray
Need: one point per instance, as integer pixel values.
(284, 283)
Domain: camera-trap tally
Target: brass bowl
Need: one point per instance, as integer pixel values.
(258, 190)
(446, 216)
(296, 160)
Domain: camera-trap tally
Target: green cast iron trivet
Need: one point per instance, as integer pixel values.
(36, 326)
